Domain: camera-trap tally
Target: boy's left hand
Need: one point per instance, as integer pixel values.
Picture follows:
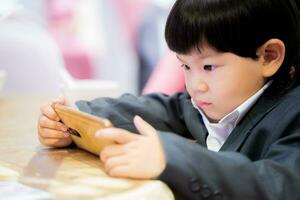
(133, 156)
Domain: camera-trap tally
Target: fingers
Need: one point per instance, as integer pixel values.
(45, 122)
(49, 128)
(111, 151)
(114, 162)
(122, 171)
(114, 157)
(48, 111)
(143, 127)
(119, 166)
(60, 100)
(119, 136)
(54, 138)
(50, 133)
(130, 157)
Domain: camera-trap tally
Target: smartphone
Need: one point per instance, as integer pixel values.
(82, 127)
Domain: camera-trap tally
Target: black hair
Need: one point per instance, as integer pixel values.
(239, 27)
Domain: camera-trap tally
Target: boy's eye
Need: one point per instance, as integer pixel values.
(185, 67)
(209, 67)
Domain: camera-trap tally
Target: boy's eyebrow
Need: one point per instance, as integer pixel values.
(179, 58)
(202, 57)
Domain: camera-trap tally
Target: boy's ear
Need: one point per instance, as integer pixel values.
(271, 54)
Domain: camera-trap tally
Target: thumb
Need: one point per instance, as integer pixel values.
(60, 100)
(57, 101)
(143, 127)
(120, 136)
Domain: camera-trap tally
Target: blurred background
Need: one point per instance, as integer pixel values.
(117, 40)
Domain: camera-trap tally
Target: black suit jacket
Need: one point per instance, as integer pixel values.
(259, 160)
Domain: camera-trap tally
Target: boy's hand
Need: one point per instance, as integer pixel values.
(133, 156)
(51, 131)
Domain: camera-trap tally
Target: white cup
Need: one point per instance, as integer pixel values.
(89, 90)
(2, 78)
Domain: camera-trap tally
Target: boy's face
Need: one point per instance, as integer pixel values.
(220, 82)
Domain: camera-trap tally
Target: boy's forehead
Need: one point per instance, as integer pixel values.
(202, 53)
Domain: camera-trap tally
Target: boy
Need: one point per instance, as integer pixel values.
(235, 133)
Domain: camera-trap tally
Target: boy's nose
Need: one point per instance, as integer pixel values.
(203, 87)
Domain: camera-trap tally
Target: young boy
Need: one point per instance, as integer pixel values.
(235, 133)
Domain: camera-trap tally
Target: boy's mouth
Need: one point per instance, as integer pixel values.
(203, 104)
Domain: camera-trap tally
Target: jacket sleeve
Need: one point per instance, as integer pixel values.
(161, 111)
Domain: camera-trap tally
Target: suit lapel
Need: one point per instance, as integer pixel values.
(241, 132)
(195, 124)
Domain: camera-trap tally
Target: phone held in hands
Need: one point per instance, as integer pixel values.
(82, 127)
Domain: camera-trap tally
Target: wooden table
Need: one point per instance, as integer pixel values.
(61, 173)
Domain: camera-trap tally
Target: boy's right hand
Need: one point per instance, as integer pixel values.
(51, 131)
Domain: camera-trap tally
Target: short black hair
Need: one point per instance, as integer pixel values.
(239, 27)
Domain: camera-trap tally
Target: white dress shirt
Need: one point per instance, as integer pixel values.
(219, 132)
